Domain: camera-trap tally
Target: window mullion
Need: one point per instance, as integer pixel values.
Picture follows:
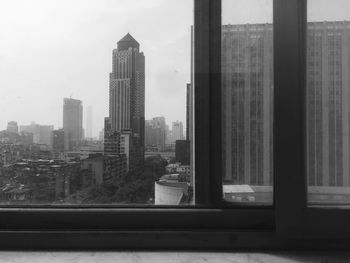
(216, 169)
(289, 140)
(201, 94)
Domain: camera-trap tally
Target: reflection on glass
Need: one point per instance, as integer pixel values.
(247, 101)
(117, 106)
(328, 102)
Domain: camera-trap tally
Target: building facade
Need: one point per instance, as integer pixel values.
(72, 123)
(155, 134)
(177, 131)
(42, 134)
(247, 99)
(328, 103)
(58, 140)
(247, 103)
(12, 126)
(103, 168)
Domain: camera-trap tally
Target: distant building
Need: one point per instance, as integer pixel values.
(155, 134)
(169, 136)
(127, 98)
(182, 152)
(101, 135)
(40, 180)
(129, 145)
(177, 131)
(9, 137)
(27, 138)
(72, 123)
(58, 140)
(111, 143)
(102, 168)
(12, 127)
(42, 134)
(89, 122)
(91, 146)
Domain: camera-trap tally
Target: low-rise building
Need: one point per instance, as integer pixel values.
(39, 181)
(102, 168)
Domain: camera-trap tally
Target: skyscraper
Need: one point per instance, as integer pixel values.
(328, 103)
(72, 123)
(247, 99)
(247, 103)
(127, 97)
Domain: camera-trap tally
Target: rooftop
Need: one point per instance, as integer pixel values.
(127, 41)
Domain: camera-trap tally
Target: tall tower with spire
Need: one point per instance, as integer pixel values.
(127, 98)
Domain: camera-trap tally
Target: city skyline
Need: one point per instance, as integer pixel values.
(83, 42)
(90, 39)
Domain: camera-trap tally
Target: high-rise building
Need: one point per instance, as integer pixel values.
(177, 131)
(42, 134)
(155, 133)
(12, 126)
(127, 97)
(127, 87)
(72, 123)
(328, 103)
(247, 99)
(89, 122)
(247, 103)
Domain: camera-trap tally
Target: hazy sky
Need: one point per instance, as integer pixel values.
(51, 49)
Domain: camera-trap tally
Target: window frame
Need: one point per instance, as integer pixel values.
(324, 226)
(46, 227)
(214, 224)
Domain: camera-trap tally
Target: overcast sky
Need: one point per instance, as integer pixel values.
(51, 49)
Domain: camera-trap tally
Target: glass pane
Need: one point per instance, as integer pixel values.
(247, 101)
(93, 102)
(328, 102)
